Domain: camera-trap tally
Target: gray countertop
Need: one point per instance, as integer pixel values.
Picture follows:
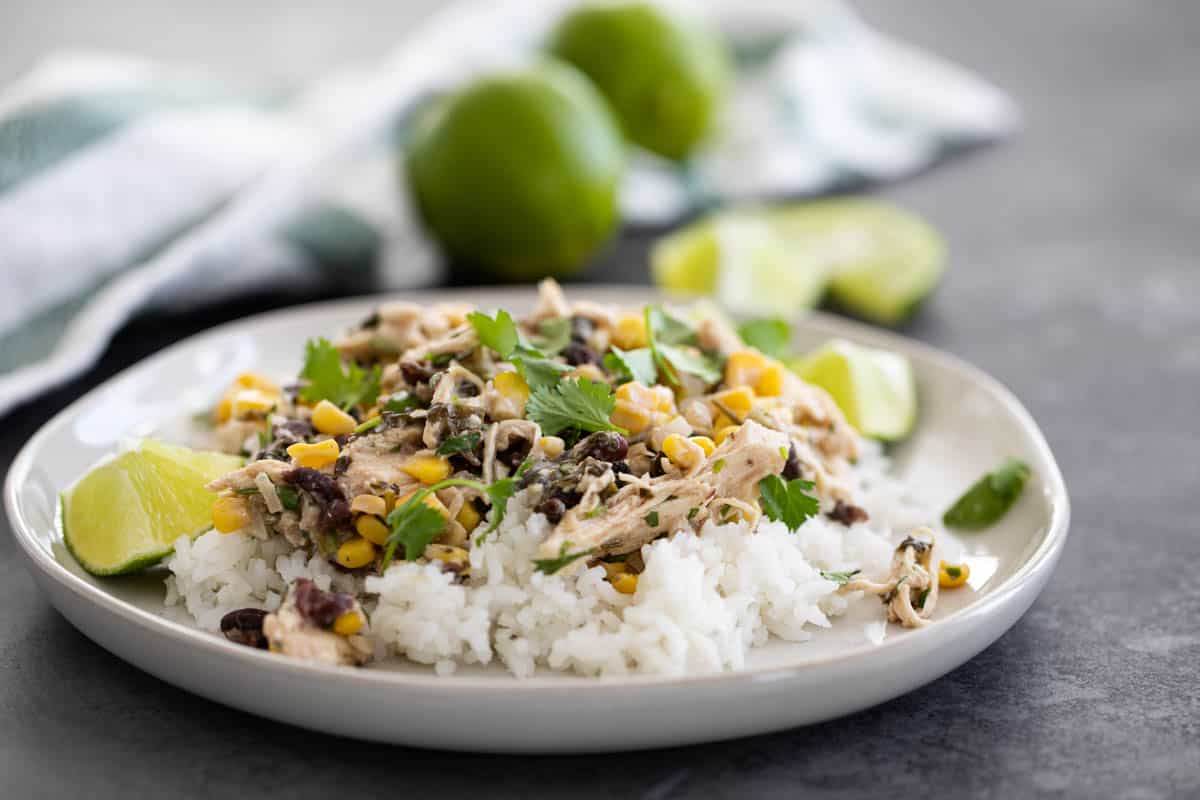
(1074, 281)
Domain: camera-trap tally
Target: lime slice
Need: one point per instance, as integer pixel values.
(876, 261)
(742, 259)
(874, 388)
(884, 261)
(125, 513)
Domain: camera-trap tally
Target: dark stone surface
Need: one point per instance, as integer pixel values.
(1074, 281)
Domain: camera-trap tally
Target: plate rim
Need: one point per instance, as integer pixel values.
(1042, 558)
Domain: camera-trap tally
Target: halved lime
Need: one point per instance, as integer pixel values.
(742, 259)
(125, 513)
(876, 261)
(874, 388)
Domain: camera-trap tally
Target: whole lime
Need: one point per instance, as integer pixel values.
(518, 173)
(664, 72)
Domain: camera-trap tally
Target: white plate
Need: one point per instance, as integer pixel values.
(968, 424)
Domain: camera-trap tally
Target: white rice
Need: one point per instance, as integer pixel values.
(702, 602)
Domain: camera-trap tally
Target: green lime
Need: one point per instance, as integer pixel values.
(884, 261)
(125, 513)
(741, 258)
(874, 388)
(664, 72)
(518, 173)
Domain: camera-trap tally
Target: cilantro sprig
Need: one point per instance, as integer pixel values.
(575, 403)
(552, 565)
(502, 335)
(414, 524)
(787, 501)
(632, 365)
(672, 345)
(346, 386)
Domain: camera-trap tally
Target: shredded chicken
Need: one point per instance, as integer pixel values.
(291, 633)
(911, 590)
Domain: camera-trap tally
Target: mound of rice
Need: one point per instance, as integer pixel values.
(702, 602)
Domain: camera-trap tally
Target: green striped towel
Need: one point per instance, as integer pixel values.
(126, 184)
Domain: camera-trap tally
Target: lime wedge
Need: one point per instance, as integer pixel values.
(125, 513)
(876, 261)
(884, 261)
(742, 259)
(874, 388)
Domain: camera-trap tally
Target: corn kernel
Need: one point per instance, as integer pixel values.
(229, 513)
(589, 371)
(743, 368)
(428, 468)
(511, 385)
(372, 529)
(951, 576)
(315, 456)
(552, 446)
(389, 501)
(256, 380)
(632, 418)
(355, 553)
(251, 402)
(737, 402)
(224, 409)
(430, 500)
(637, 394)
(626, 584)
(348, 624)
(724, 433)
(369, 504)
(630, 332)
(447, 554)
(664, 399)
(704, 443)
(331, 420)
(770, 382)
(681, 451)
(469, 517)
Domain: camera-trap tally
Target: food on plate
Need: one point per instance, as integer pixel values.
(518, 172)
(126, 513)
(664, 71)
(581, 488)
(874, 388)
(989, 498)
(875, 261)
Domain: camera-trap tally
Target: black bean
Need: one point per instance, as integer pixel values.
(604, 446)
(848, 513)
(793, 469)
(553, 508)
(325, 492)
(578, 353)
(319, 607)
(245, 626)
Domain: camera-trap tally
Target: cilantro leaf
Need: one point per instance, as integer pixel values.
(772, 337)
(500, 334)
(840, 578)
(990, 498)
(573, 403)
(787, 501)
(499, 493)
(632, 365)
(667, 338)
(327, 380)
(552, 565)
(538, 371)
(414, 525)
(464, 443)
(553, 335)
(651, 519)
